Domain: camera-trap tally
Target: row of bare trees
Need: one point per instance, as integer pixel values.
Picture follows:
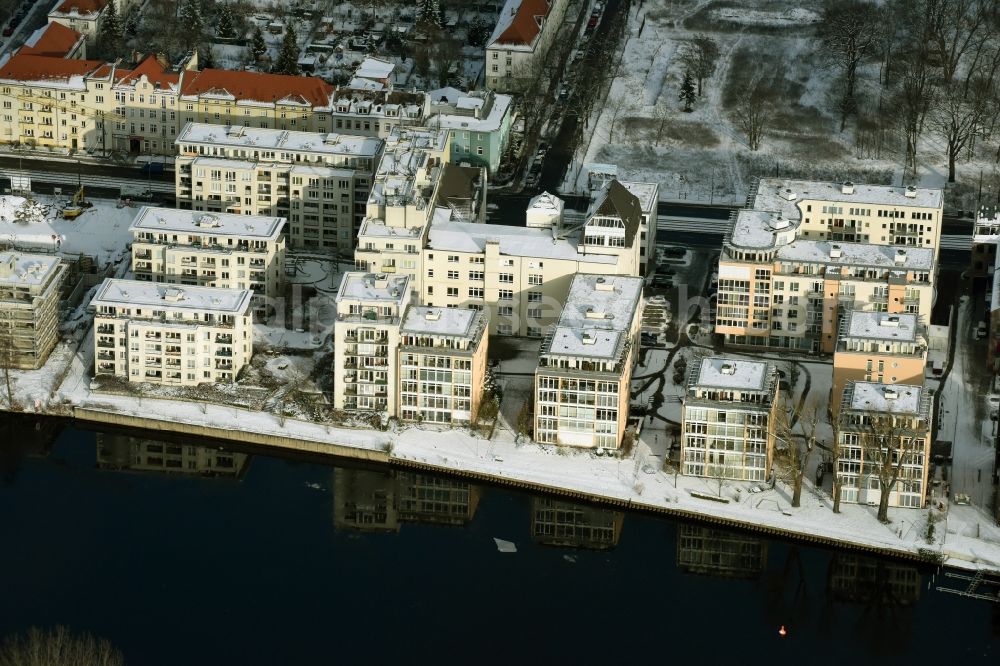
(937, 64)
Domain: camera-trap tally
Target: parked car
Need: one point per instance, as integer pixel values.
(675, 251)
(8, 31)
(981, 331)
(564, 92)
(591, 24)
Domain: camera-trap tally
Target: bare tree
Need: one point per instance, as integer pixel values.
(838, 477)
(752, 110)
(7, 354)
(447, 54)
(888, 444)
(662, 114)
(958, 27)
(58, 647)
(957, 118)
(796, 428)
(850, 33)
(913, 100)
(619, 106)
(699, 57)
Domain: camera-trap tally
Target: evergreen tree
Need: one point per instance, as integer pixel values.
(192, 22)
(688, 92)
(430, 12)
(110, 34)
(479, 32)
(132, 23)
(226, 28)
(258, 47)
(288, 57)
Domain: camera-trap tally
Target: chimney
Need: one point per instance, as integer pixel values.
(787, 194)
(900, 257)
(911, 192)
(890, 393)
(847, 187)
(603, 285)
(589, 338)
(432, 315)
(728, 369)
(835, 252)
(891, 321)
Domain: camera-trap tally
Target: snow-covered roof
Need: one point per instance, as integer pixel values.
(875, 397)
(138, 294)
(491, 122)
(447, 94)
(881, 326)
(514, 241)
(732, 373)
(760, 229)
(596, 318)
(858, 254)
(240, 136)
(374, 68)
(373, 228)
(18, 269)
(374, 287)
(517, 27)
(784, 195)
(159, 220)
(546, 202)
(452, 322)
(646, 193)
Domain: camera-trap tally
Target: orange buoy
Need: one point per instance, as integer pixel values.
(782, 632)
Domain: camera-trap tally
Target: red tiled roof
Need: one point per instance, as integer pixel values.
(258, 86)
(30, 67)
(56, 40)
(81, 6)
(155, 72)
(523, 27)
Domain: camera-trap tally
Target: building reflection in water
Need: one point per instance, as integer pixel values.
(377, 501)
(124, 452)
(871, 581)
(716, 552)
(569, 525)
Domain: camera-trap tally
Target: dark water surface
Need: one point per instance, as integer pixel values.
(227, 558)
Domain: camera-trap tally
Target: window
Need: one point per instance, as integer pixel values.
(534, 279)
(476, 275)
(453, 291)
(534, 297)
(475, 292)
(506, 278)
(452, 259)
(506, 295)
(505, 311)
(452, 275)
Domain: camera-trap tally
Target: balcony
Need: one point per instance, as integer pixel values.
(106, 368)
(223, 365)
(224, 353)
(153, 363)
(106, 356)
(106, 344)
(106, 328)
(222, 339)
(143, 254)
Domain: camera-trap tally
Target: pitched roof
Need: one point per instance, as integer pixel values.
(154, 71)
(54, 39)
(517, 24)
(30, 67)
(619, 202)
(258, 86)
(81, 6)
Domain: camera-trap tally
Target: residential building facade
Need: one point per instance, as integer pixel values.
(30, 287)
(520, 42)
(171, 335)
(878, 423)
(221, 250)
(585, 364)
(728, 417)
(83, 16)
(319, 182)
(878, 347)
(442, 364)
(479, 123)
(791, 266)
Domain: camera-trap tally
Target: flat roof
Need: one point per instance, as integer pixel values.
(153, 219)
(452, 322)
(774, 194)
(881, 326)
(260, 138)
(117, 293)
(596, 317)
(858, 254)
(646, 193)
(386, 287)
(18, 269)
(875, 397)
(732, 373)
(514, 241)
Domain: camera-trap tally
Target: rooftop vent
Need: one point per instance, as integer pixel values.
(835, 252)
(891, 321)
(208, 221)
(911, 192)
(900, 257)
(890, 393)
(236, 130)
(728, 369)
(589, 338)
(603, 285)
(787, 194)
(432, 315)
(847, 187)
(172, 295)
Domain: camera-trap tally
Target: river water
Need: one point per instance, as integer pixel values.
(184, 554)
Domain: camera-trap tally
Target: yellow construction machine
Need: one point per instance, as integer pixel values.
(76, 206)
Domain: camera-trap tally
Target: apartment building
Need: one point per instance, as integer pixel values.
(569, 525)
(727, 417)
(872, 414)
(171, 335)
(878, 347)
(520, 42)
(69, 104)
(57, 41)
(370, 308)
(442, 364)
(479, 123)
(122, 452)
(319, 182)
(648, 196)
(30, 287)
(221, 250)
(83, 16)
(985, 234)
(585, 364)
